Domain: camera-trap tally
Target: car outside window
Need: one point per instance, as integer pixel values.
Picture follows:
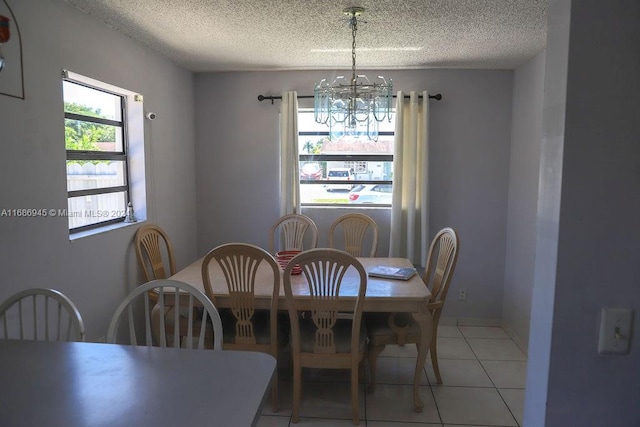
(379, 194)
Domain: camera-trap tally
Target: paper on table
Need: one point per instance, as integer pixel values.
(402, 273)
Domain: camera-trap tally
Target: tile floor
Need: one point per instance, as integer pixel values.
(482, 369)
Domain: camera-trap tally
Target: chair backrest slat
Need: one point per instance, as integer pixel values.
(59, 321)
(162, 320)
(132, 330)
(147, 320)
(45, 319)
(176, 318)
(190, 321)
(21, 320)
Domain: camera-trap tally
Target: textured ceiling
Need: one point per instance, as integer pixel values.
(226, 35)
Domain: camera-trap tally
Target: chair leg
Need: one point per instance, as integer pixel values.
(354, 395)
(374, 352)
(297, 390)
(362, 374)
(434, 359)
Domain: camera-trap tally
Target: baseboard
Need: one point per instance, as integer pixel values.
(448, 321)
(469, 321)
(472, 321)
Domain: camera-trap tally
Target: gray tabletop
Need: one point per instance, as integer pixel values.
(89, 384)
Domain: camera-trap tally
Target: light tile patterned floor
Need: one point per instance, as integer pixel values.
(482, 369)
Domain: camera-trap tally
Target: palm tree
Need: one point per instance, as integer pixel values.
(308, 146)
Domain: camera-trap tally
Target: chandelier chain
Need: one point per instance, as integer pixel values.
(354, 30)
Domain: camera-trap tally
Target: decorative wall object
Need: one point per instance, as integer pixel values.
(11, 72)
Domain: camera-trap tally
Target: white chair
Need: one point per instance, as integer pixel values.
(41, 315)
(169, 292)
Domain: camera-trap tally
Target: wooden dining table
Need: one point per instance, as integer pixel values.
(80, 384)
(382, 295)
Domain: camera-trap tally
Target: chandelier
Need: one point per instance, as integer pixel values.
(353, 107)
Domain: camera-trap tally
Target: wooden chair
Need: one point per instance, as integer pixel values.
(333, 337)
(355, 227)
(398, 328)
(196, 335)
(154, 252)
(293, 228)
(157, 261)
(41, 315)
(246, 328)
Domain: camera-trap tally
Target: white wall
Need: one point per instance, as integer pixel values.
(526, 136)
(237, 160)
(95, 272)
(588, 215)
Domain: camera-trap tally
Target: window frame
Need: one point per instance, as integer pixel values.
(92, 155)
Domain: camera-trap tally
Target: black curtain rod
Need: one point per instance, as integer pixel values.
(261, 98)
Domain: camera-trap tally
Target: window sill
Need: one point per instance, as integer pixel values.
(103, 229)
(350, 207)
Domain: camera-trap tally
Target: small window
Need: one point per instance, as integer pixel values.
(95, 128)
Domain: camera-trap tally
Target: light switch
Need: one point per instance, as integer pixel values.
(615, 330)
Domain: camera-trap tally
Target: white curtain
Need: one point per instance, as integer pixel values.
(410, 211)
(289, 174)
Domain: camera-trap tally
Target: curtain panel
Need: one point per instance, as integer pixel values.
(410, 210)
(289, 175)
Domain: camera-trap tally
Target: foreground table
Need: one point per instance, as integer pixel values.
(383, 295)
(88, 384)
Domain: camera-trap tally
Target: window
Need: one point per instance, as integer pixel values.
(357, 167)
(95, 124)
(343, 171)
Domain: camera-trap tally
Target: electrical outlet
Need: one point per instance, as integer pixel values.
(462, 295)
